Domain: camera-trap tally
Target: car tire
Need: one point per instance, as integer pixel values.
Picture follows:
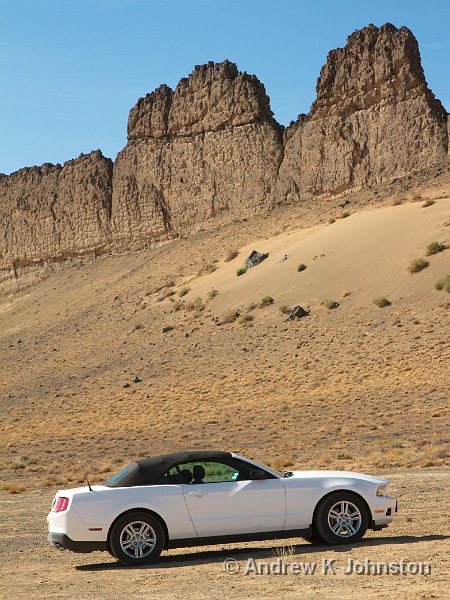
(314, 538)
(137, 539)
(341, 518)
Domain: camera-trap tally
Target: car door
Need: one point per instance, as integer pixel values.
(228, 502)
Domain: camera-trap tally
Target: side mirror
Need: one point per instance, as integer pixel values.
(258, 474)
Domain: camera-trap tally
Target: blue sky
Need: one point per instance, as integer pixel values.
(72, 69)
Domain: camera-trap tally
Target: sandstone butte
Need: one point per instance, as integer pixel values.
(210, 151)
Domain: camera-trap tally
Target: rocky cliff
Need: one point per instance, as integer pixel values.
(210, 151)
(53, 212)
(374, 119)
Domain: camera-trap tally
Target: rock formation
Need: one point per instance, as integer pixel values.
(210, 151)
(53, 212)
(374, 119)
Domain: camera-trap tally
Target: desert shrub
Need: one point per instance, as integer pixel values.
(417, 265)
(331, 221)
(251, 307)
(241, 271)
(231, 254)
(428, 203)
(443, 283)
(183, 291)
(285, 309)
(381, 302)
(246, 318)
(345, 214)
(330, 303)
(230, 316)
(207, 267)
(178, 305)
(212, 294)
(14, 488)
(266, 301)
(104, 469)
(435, 248)
(198, 304)
(301, 267)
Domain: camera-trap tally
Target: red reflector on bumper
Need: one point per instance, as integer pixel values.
(379, 510)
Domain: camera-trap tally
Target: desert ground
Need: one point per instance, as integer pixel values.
(87, 374)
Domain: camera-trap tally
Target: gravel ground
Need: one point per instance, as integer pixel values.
(29, 568)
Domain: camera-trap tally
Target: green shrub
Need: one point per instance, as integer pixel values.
(435, 247)
(330, 303)
(417, 265)
(241, 271)
(184, 291)
(266, 301)
(301, 267)
(428, 203)
(331, 221)
(381, 302)
(178, 305)
(443, 283)
(198, 304)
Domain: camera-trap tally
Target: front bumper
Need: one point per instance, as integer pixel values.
(63, 542)
(383, 511)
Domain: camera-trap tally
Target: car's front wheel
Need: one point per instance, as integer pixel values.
(137, 539)
(342, 518)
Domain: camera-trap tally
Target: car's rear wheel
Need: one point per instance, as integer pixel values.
(341, 518)
(137, 539)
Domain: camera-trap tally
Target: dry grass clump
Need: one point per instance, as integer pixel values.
(331, 221)
(428, 203)
(417, 265)
(443, 283)
(251, 307)
(285, 309)
(345, 214)
(178, 305)
(197, 304)
(231, 255)
(206, 268)
(381, 302)
(183, 291)
(241, 271)
(104, 469)
(212, 294)
(230, 316)
(330, 303)
(246, 319)
(266, 301)
(435, 248)
(14, 488)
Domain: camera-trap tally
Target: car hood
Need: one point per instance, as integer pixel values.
(337, 475)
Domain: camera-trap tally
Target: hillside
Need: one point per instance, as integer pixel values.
(355, 387)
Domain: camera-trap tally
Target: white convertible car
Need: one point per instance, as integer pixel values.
(199, 498)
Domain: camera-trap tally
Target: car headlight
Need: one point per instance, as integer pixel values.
(381, 490)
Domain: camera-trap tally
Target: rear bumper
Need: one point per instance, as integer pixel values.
(63, 542)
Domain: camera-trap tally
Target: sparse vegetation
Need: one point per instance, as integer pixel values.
(435, 248)
(183, 291)
(246, 318)
(428, 203)
(178, 305)
(251, 307)
(104, 469)
(285, 309)
(301, 267)
(230, 316)
(212, 294)
(266, 301)
(231, 255)
(331, 221)
(381, 302)
(345, 214)
(241, 271)
(443, 283)
(206, 268)
(330, 303)
(14, 488)
(417, 265)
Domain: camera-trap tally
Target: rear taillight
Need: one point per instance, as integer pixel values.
(61, 504)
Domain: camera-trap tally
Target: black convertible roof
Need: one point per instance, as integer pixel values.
(147, 471)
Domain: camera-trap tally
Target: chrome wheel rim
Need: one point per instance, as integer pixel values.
(344, 519)
(137, 539)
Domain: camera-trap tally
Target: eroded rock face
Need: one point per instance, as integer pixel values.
(210, 149)
(374, 119)
(53, 212)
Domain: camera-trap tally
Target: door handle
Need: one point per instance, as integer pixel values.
(198, 494)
